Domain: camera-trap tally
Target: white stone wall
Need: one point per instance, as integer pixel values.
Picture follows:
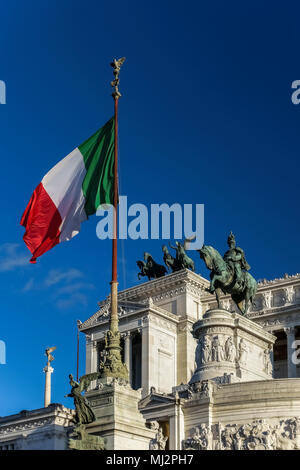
(42, 429)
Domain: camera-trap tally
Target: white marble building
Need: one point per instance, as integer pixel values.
(156, 322)
(41, 429)
(156, 319)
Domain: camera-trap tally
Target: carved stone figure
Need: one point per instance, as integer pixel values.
(153, 424)
(289, 294)
(206, 389)
(227, 439)
(267, 299)
(199, 353)
(206, 350)
(257, 435)
(243, 351)
(230, 274)
(230, 350)
(150, 268)
(224, 379)
(217, 350)
(159, 442)
(200, 439)
(268, 368)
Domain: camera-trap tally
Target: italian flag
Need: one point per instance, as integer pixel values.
(70, 192)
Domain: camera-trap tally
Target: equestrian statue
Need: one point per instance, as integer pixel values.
(230, 274)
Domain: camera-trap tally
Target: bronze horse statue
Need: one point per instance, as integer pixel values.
(181, 257)
(150, 268)
(182, 260)
(224, 278)
(169, 260)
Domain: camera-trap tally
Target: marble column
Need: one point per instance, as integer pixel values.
(145, 357)
(272, 353)
(128, 353)
(47, 399)
(290, 334)
(94, 357)
(176, 429)
(91, 356)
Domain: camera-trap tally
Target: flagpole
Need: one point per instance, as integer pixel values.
(114, 279)
(77, 361)
(113, 365)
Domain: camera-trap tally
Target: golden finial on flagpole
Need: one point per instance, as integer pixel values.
(116, 65)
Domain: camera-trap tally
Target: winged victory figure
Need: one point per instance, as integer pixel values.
(48, 352)
(84, 413)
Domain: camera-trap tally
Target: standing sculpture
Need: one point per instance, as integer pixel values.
(150, 268)
(84, 415)
(159, 441)
(181, 260)
(230, 274)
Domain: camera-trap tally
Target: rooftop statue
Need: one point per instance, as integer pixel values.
(230, 274)
(182, 260)
(150, 268)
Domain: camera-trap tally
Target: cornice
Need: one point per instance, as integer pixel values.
(148, 311)
(168, 282)
(134, 298)
(286, 279)
(28, 420)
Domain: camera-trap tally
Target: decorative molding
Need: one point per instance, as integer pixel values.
(258, 435)
(29, 420)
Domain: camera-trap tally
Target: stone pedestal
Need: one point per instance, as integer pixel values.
(118, 419)
(231, 348)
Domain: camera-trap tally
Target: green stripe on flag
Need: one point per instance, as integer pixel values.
(98, 157)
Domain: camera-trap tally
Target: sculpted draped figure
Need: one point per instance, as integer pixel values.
(84, 413)
(230, 274)
(230, 349)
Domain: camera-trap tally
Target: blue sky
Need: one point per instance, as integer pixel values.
(205, 117)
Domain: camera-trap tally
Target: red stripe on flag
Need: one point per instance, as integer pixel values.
(41, 220)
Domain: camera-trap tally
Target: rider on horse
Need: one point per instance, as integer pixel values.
(235, 259)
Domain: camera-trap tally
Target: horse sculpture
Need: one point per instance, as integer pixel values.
(242, 287)
(150, 268)
(182, 260)
(169, 260)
